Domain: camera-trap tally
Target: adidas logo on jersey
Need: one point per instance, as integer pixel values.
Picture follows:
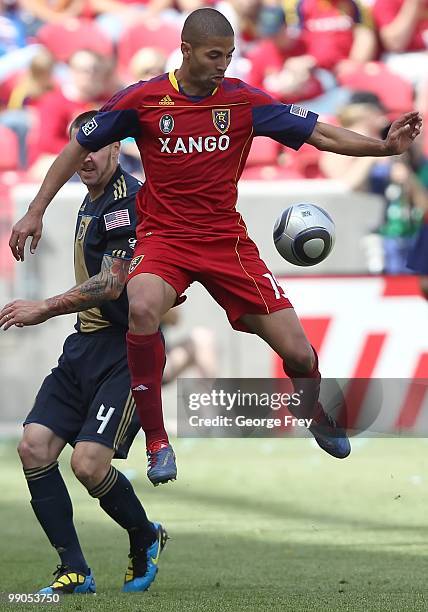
(166, 101)
(119, 253)
(140, 388)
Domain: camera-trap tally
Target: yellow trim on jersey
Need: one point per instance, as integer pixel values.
(119, 188)
(90, 320)
(174, 82)
(198, 107)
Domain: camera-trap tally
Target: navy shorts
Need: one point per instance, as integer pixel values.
(87, 396)
(418, 256)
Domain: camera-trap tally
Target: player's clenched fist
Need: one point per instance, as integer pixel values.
(22, 313)
(31, 224)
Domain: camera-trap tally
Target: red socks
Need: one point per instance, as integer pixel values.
(309, 384)
(146, 360)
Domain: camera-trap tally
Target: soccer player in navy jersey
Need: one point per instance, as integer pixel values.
(86, 400)
(194, 129)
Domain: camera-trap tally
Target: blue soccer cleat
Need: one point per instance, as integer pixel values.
(331, 437)
(143, 565)
(161, 463)
(69, 582)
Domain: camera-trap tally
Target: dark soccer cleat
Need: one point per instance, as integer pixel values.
(161, 463)
(330, 436)
(69, 582)
(143, 564)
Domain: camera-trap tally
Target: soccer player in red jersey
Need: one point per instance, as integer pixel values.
(194, 129)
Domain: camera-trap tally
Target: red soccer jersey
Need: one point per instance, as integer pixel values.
(328, 28)
(385, 11)
(193, 149)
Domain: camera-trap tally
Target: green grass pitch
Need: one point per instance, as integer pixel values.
(255, 525)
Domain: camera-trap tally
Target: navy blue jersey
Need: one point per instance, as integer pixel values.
(106, 226)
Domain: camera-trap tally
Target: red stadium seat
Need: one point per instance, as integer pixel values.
(162, 36)
(394, 92)
(64, 40)
(9, 154)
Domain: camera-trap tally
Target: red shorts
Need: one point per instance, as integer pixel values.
(229, 267)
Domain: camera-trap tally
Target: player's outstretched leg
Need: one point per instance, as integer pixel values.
(149, 298)
(51, 503)
(283, 332)
(91, 464)
(329, 435)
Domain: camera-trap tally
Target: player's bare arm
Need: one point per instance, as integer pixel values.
(105, 286)
(65, 165)
(401, 134)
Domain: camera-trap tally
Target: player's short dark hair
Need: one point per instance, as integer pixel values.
(81, 120)
(205, 23)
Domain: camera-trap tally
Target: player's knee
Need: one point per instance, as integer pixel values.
(88, 469)
(144, 315)
(301, 358)
(34, 453)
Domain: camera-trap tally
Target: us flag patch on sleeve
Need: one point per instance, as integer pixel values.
(118, 218)
(300, 111)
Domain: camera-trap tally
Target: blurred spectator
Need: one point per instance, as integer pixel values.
(35, 13)
(85, 89)
(30, 85)
(392, 178)
(115, 16)
(15, 53)
(403, 24)
(403, 31)
(12, 33)
(147, 63)
(338, 34)
(270, 69)
(243, 16)
(25, 92)
(197, 351)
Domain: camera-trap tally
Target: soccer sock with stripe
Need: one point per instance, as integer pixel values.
(146, 360)
(117, 498)
(52, 506)
(307, 384)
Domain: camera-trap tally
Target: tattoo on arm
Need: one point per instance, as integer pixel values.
(107, 285)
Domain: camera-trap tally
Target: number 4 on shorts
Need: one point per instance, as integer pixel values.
(104, 418)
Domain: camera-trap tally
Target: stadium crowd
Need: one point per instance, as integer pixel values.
(358, 63)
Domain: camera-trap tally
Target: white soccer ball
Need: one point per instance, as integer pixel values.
(304, 234)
